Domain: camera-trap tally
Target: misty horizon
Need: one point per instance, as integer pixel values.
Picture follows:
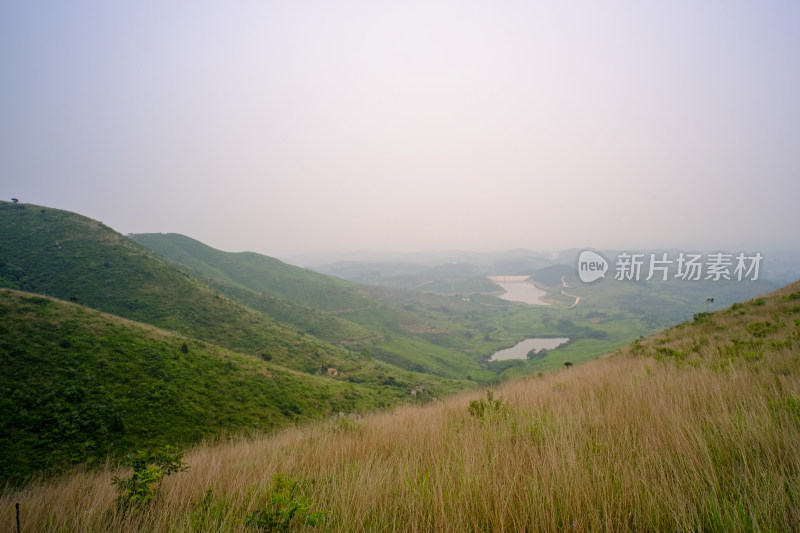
(289, 130)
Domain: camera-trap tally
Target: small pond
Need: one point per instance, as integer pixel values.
(521, 349)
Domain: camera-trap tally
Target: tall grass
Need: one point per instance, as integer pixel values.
(673, 433)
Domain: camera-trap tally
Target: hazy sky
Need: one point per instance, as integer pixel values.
(307, 126)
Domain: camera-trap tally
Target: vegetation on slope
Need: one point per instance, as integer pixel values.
(256, 272)
(78, 385)
(412, 338)
(71, 257)
(695, 429)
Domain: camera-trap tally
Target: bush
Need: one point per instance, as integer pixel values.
(488, 408)
(148, 468)
(288, 507)
(760, 330)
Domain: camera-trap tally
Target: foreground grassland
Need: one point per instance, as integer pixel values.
(694, 429)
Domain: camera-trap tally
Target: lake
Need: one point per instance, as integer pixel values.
(520, 289)
(521, 349)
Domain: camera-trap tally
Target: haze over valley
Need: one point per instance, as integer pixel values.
(357, 266)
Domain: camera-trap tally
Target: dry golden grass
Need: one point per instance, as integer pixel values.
(674, 433)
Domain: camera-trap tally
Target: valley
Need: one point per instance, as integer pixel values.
(113, 343)
(694, 428)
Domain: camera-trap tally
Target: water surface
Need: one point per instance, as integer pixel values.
(520, 289)
(521, 349)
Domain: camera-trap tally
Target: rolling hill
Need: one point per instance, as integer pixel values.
(696, 428)
(71, 257)
(256, 272)
(79, 384)
(80, 305)
(419, 335)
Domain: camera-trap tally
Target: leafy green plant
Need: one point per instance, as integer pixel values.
(664, 351)
(636, 346)
(762, 329)
(149, 468)
(288, 507)
(208, 511)
(347, 424)
(488, 408)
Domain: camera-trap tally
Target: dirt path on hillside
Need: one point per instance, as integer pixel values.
(565, 293)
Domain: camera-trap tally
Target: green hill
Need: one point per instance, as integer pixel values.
(256, 272)
(405, 329)
(71, 257)
(290, 295)
(78, 384)
(52, 253)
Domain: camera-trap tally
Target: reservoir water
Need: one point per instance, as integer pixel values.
(521, 349)
(520, 289)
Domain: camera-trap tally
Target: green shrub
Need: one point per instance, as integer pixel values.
(149, 468)
(207, 512)
(669, 352)
(488, 408)
(288, 507)
(761, 329)
(636, 346)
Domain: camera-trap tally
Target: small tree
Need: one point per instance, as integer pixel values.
(15, 200)
(148, 468)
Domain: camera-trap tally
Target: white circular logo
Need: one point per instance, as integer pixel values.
(591, 266)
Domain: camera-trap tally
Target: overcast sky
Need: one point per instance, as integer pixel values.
(302, 126)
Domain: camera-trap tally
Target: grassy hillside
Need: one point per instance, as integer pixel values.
(323, 325)
(694, 429)
(408, 336)
(256, 272)
(71, 257)
(78, 385)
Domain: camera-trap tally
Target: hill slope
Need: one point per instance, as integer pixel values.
(288, 294)
(694, 429)
(256, 272)
(71, 257)
(415, 337)
(78, 384)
